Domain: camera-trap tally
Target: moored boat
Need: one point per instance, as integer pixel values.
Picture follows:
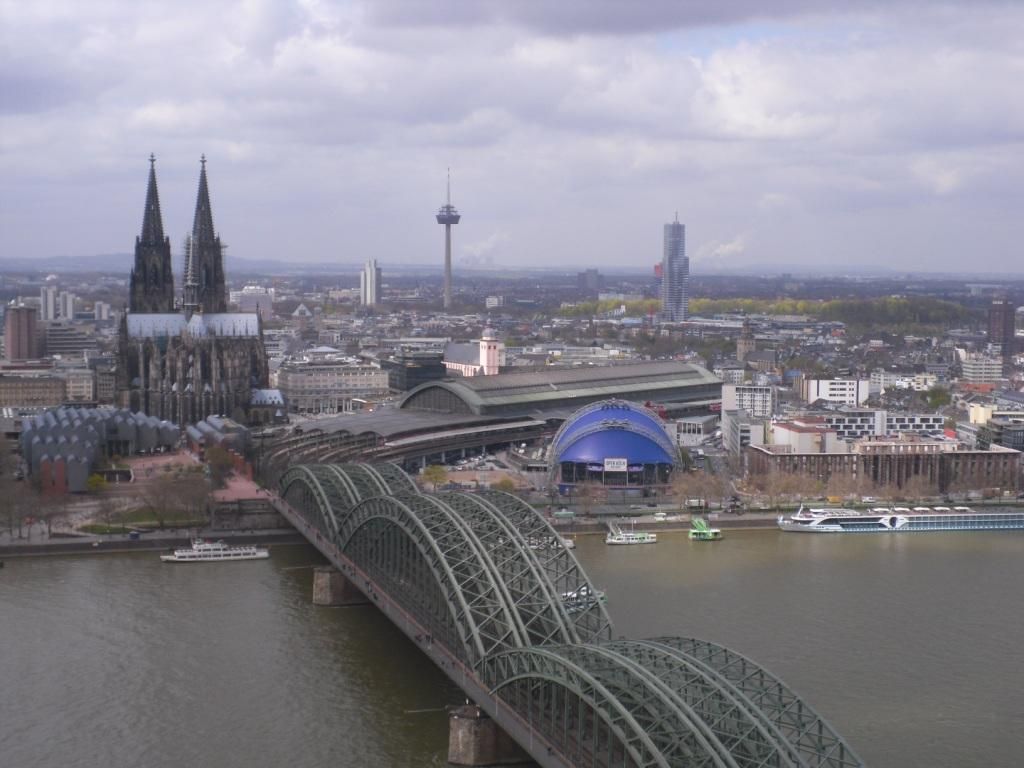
(701, 531)
(203, 551)
(892, 519)
(618, 536)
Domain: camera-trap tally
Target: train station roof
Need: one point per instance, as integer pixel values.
(536, 392)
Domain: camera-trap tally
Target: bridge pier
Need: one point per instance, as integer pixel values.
(476, 740)
(331, 587)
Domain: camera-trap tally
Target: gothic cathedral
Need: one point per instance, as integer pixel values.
(184, 361)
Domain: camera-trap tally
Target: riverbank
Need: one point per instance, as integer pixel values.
(682, 525)
(157, 540)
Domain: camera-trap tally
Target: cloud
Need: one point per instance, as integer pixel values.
(612, 17)
(716, 252)
(486, 248)
(574, 129)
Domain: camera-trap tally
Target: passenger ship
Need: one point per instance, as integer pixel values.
(885, 519)
(618, 536)
(213, 552)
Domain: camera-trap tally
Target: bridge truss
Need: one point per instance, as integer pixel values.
(487, 579)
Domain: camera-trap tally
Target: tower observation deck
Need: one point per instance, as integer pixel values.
(448, 215)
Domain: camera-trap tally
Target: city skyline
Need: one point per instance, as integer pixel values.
(808, 136)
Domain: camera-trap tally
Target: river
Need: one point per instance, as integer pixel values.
(910, 645)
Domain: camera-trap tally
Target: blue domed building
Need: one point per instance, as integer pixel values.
(614, 443)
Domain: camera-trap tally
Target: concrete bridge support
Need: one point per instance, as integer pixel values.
(330, 587)
(476, 740)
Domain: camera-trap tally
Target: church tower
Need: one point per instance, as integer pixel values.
(204, 258)
(746, 343)
(152, 282)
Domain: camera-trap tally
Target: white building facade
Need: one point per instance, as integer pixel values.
(758, 401)
(370, 284)
(847, 391)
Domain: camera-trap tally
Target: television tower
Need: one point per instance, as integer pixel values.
(448, 215)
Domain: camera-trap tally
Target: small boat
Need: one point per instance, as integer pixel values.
(203, 551)
(701, 531)
(618, 536)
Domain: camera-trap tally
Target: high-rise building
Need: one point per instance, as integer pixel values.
(369, 284)
(589, 281)
(1002, 325)
(47, 303)
(675, 271)
(448, 215)
(66, 305)
(21, 341)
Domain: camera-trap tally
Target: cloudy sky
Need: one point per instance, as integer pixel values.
(878, 132)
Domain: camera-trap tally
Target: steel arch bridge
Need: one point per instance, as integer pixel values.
(487, 588)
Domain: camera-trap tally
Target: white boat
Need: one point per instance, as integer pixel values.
(618, 536)
(203, 551)
(881, 519)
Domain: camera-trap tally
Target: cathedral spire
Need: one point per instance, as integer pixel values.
(204, 256)
(152, 222)
(152, 282)
(202, 224)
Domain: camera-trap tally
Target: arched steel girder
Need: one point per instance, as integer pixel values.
(804, 729)
(467, 576)
(561, 567)
(303, 489)
(339, 487)
(332, 473)
(690, 717)
(526, 679)
(393, 477)
(680, 734)
(542, 611)
(739, 724)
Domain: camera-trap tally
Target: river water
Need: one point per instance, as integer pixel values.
(911, 645)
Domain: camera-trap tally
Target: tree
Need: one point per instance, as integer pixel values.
(918, 488)
(95, 483)
(685, 459)
(506, 484)
(191, 498)
(50, 509)
(586, 494)
(108, 513)
(684, 486)
(220, 463)
(156, 494)
(435, 474)
(15, 501)
(938, 397)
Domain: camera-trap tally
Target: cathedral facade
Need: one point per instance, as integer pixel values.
(185, 359)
